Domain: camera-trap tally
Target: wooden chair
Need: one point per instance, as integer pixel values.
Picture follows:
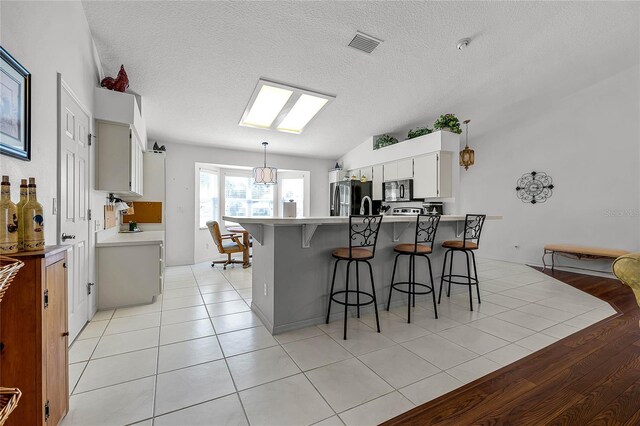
(228, 244)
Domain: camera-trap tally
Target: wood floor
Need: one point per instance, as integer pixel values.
(589, 378)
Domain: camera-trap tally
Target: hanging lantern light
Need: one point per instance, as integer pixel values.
(265, 175)
(467, 155)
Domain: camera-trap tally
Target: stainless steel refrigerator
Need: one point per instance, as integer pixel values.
(346, 196)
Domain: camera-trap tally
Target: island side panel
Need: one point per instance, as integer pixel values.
(302, 278)
(262, 265)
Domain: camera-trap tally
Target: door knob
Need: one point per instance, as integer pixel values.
(66, 237)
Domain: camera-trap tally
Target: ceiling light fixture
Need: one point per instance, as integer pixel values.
(284, 108)
(265, 175)
(467, 155)
(463, 43)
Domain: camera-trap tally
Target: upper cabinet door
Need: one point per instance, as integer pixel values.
(366, 172)
(425, 180)
(433, 175)
(405, 169)
(390, 171)
(119, 159)
(377, 179)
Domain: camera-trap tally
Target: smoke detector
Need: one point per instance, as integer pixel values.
(463, 43)
(364, 42)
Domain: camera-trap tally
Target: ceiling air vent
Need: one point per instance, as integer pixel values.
(364, 42)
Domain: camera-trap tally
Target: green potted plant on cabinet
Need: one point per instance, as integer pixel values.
(448, 122)
(418, 131)
(384, 140)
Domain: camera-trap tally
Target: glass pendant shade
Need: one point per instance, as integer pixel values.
(467, 155)
(265, 175)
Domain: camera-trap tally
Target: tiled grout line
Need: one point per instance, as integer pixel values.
(155, 379)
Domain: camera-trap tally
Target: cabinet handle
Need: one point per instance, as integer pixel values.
(66, 333)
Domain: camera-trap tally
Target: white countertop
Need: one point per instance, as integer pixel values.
(333, 220)
(114, 239)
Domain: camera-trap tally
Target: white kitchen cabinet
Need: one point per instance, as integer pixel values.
(433, 175)
(390, 171)
(336, 175)
(377, 178)
(130, 268)
(365, 171)
(119, 159)
(405, 168)
(398, 170)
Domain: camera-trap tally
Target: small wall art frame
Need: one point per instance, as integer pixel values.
(15, 108)
(535, 187)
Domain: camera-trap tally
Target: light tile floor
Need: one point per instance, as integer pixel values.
(199, 356)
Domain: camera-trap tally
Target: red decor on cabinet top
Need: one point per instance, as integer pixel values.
(119, 84)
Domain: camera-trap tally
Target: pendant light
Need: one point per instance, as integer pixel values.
(265, 175)
(467, 155)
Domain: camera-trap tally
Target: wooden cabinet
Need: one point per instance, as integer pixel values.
(377, 179)
(433, 175)
(119, 159)
(34, 335)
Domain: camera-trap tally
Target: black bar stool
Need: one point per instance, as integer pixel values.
(426, 227)
(363, 235)
(470, 241)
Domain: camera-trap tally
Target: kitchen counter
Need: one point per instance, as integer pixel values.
(113, 239)
(130, 267)
(292, 264)
(330, 220)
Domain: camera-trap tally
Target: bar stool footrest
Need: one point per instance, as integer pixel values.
(346, 303)
(429, 288)
(448, 278)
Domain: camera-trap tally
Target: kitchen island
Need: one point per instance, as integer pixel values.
(292, 264)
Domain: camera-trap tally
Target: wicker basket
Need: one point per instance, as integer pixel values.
(8, 269)
(9, 398)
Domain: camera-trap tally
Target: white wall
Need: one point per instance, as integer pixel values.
(589, 143)
(47, 38)
(180, 212)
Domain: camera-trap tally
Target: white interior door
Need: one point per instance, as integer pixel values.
(73, 220)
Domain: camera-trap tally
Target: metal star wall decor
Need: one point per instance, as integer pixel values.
(535, 187)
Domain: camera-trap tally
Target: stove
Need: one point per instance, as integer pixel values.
(406, 211)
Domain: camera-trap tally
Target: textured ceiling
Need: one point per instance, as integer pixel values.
(197, 63)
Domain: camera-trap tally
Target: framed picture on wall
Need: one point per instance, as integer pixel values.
(15, 108)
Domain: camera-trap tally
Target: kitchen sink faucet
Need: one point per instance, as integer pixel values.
(366, 198)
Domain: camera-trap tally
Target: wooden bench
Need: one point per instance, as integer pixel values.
(579, 252)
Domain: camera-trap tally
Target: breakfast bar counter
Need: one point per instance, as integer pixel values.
(292, 263)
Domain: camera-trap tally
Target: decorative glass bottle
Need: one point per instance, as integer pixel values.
(8, 220)
(20, 206)
(33, 220)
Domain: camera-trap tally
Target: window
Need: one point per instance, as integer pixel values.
(292, 189)
(243, 198)
(209, 196)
